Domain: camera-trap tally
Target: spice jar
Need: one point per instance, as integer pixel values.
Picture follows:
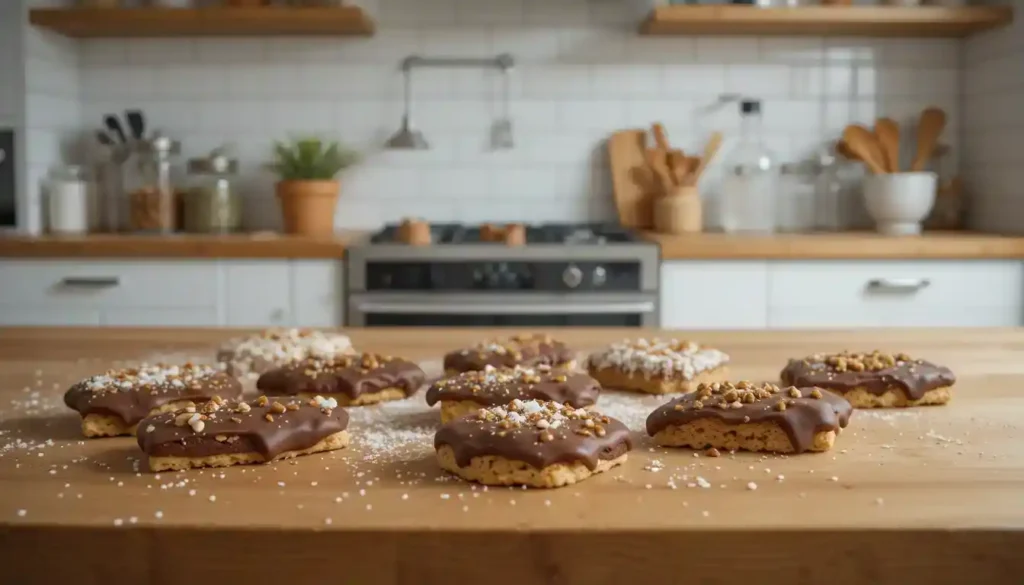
(213, 204)
(149, 178)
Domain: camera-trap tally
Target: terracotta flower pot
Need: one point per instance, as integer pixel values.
(308, 206)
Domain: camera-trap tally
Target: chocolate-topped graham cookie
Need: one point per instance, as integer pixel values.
(467, 392)
(657, 366)
(220, 433)
(518, 350)
(751, 417)
(113, 403)
(532, 443)
(873, 380)
(353, 380)
(252, 355)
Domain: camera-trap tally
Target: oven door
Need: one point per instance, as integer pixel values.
(502, 310)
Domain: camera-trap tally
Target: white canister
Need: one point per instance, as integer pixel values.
(899, 202)
(68, 201)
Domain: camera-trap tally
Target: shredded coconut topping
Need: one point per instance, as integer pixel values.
(278, 346)
(157, 375)
(665, 358)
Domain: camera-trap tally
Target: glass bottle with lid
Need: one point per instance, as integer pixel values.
(751, 185)
(150, 180)
(213, 204)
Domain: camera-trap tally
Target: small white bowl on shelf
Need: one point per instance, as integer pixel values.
(899, 202)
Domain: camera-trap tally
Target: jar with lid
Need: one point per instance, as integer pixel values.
(69, 200)
(151, 184)
(213, 204)
(751, 185)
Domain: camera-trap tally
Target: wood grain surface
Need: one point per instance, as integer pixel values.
(256, 245)
(837, 246)
(259, 21)
(857, 21)
(706, 246)
(931, 495)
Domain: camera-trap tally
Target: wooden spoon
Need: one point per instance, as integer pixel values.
(933, 122)
(843, 149)
(862, 143)
(660, 136)
(887, 132)
(710, 150)
(677, 164)
(659, 164)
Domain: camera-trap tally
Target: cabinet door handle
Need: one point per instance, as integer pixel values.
(904, 285)
(91, 282)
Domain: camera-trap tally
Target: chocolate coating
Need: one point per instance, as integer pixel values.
(875, 372)
(348, 375)
(519, 350)
(303, 424)
(472, 436)
(806, 411)
(493, 387)
(132, 393)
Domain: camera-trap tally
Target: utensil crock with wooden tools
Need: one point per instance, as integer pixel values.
(679, 212)
(897, 201)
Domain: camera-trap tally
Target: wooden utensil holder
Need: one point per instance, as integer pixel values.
(679, 212)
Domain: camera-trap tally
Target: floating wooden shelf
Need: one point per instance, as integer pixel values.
(860, 21)
(183, 22)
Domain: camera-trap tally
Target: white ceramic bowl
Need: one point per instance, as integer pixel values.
(899, 202)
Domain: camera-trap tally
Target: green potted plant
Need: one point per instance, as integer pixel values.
(308, 190)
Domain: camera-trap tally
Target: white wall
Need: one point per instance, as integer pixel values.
(584, 73)
(52, 122)
(993, 125)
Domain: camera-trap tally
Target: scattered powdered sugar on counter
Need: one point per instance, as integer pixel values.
(631, 408)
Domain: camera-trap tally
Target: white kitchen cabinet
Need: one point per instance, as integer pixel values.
(171, 293)
(714, 295)
(922, 293)
(317, 288)
(257, 293)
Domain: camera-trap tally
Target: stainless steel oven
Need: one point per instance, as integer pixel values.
(502, 310)
(553, 281)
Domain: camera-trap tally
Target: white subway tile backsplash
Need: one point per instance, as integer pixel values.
(582, 73)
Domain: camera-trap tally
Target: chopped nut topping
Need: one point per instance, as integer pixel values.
(780, 406)
(794, 392)
(672, 358)
(243, 407)
(546, 436)
(269, 417)
(712, 452)
(182, 419)
(278, 408)
(816, 393)
(262, 401)
(236, 419)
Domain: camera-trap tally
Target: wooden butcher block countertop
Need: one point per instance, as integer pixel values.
(924, 496)
(707, 246)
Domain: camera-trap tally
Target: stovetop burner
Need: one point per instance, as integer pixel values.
(548, 233)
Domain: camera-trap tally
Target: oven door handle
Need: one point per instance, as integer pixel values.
(601, 308)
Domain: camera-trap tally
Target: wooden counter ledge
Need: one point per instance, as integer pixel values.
(838, 246)
(254, 245)
(928, 496)
(710, 246)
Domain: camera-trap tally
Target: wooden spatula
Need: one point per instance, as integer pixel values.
(862, 143)
(887, 132)
(677, 165)
(933, 122)
(710, 150)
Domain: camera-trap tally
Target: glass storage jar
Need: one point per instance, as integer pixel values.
(751, 185)
(150, 180)
(213, 204)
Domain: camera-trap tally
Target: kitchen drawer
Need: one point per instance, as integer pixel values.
(160, 317)
(713, 295)
(64, 283)
(884, 286)
(271, 307)
(318, 291)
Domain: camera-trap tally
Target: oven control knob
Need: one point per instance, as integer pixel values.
(572, 276)
(600, 276)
